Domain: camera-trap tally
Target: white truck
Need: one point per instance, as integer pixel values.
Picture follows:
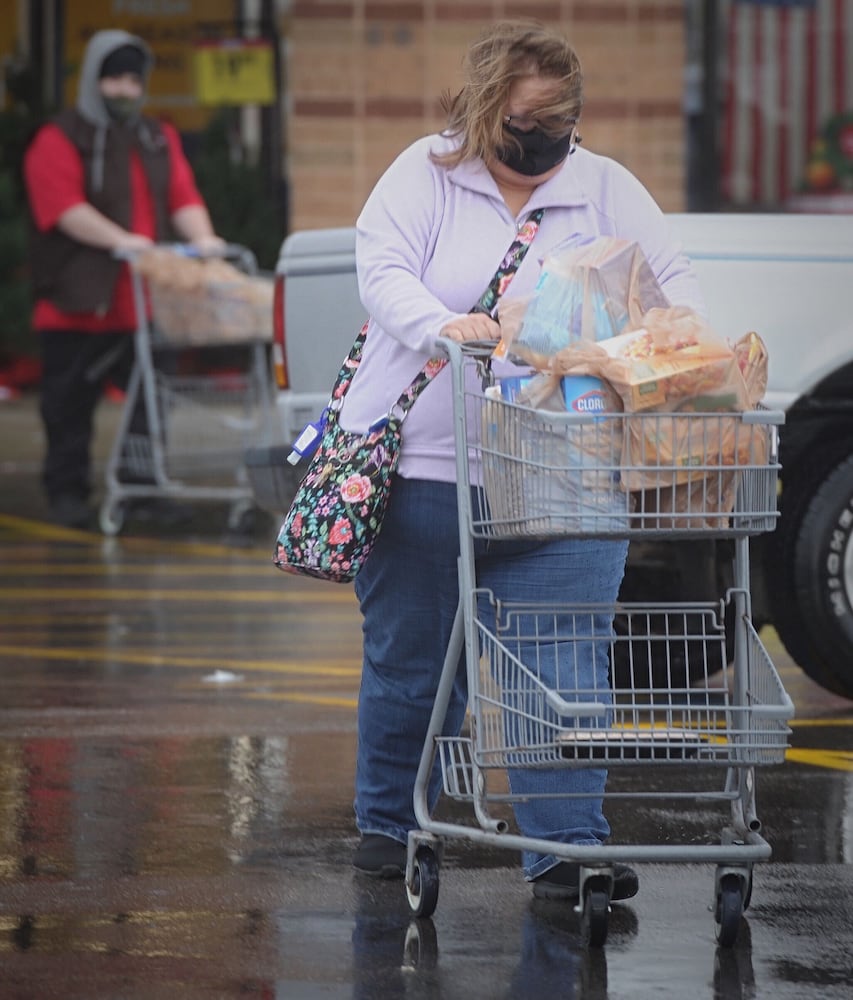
(788, 277)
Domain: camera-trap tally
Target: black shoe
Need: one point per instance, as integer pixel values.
(160, 511)
(562, 881)
(381, 857)
(70, 511)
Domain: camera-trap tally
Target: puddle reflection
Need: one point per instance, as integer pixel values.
(396, 956)
(734, 976)
(555, 962)
(105, 808)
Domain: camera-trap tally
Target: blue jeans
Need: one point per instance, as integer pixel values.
(408, 592)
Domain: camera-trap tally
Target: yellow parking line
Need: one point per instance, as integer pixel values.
(846, 720)
(41, 529)
(138, 594)
(134, 569)
(20, 622)
(306, 699)
(836, 760)
(52, 532)
(329, 668)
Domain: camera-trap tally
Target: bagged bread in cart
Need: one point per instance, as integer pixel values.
(733, 456)
(205, 300)
(682, 386)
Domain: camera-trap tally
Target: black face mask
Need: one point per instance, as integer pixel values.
(123, 109)
(538, 154)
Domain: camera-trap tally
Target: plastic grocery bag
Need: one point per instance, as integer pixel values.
(588, 289)
(672, 361)
(716, 460)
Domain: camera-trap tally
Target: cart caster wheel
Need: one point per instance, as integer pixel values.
(728, 910)
(747, 892)
(420, 949)
(111, 517)
(422, 894)
(242, 517)
(596, 913)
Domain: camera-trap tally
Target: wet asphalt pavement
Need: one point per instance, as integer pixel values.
(177, 734)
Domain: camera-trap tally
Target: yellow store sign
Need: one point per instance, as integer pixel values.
(235, 72)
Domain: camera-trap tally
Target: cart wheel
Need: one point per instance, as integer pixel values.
(420, 949)
(596, 912)
(747, 891)
(111, 517)
(423, 892)
(729, 910)
(242, 517)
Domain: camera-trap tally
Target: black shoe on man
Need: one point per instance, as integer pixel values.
(563, 880)
(70, 511)
(162, 512)
(380, 856)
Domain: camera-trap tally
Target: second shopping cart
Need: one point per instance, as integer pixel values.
(200, 390)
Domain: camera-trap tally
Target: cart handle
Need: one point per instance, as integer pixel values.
(229, 251)
(583, 709)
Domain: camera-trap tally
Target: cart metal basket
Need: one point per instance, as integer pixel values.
(185, 429)
(533, 473)
(614, 474)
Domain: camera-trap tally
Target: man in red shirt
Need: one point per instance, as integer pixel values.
(102, 179)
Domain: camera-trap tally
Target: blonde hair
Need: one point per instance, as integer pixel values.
(506, 52)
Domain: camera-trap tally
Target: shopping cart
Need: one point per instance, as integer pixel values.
(184, 429)
(551, 474)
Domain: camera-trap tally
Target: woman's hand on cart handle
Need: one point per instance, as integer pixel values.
(471, 326)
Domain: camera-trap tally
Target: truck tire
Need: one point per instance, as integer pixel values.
(810, 594)
(823, 571)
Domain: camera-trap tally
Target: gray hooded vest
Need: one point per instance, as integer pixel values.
(74, 277)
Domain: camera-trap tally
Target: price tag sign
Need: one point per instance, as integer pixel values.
(239, 71)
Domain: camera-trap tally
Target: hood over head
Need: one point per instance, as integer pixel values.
(90, 102)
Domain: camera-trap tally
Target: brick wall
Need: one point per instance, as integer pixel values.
(364, 79)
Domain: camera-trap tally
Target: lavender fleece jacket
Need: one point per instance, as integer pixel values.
(428, 242)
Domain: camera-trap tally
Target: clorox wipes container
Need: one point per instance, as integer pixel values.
(586, 394)
(594, 452)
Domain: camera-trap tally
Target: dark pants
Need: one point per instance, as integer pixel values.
(75, 367)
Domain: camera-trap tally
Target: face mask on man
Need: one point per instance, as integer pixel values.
(123, 109)
(539, 151)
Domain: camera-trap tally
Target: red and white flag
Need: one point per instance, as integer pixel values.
(788, 69)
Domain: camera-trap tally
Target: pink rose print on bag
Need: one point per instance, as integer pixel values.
(504, 282)
(341, 532)
(356, 488)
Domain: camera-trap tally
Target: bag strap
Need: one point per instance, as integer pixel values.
(486, 303)
(510, 264)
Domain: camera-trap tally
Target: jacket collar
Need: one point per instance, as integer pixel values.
(563, 190)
